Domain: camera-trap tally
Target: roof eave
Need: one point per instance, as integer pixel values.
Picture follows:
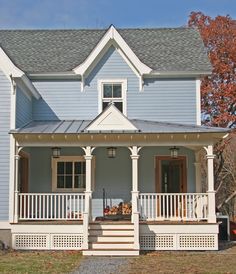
(156, 73)
(53, 75)
(13, 72)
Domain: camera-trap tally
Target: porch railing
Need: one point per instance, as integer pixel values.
(51, 206)
(173, 206)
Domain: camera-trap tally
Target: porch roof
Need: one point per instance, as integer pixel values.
(143, 126)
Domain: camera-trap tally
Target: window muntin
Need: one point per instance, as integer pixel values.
(69, 173)
(113, 91)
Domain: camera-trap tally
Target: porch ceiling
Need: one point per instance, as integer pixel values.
(74, 133)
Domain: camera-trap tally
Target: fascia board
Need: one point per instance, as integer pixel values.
(13, 72)
(112, 35)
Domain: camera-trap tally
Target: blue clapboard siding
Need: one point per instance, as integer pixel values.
(170, 100)
(114, 175)
(23, 108)
(5, 107)
(64, 99)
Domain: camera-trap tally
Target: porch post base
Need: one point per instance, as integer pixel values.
(211, 206)
(85, 230)
(15, 217)
(88, 204)
(134, 204)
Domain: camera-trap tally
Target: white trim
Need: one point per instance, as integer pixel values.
(132, 68)
(178, 74)
(11, 71)
(110, 119)
(124, 86)
(8, 67)
(5, 225)
(198, 101)
(112, 35)
(12, 150)
(54, 173)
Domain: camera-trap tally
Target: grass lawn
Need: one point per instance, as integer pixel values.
(39, 261)
(223, 261)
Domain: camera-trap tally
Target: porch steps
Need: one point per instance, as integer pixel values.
(111, 239)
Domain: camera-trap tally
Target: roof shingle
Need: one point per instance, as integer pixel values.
(52, 51)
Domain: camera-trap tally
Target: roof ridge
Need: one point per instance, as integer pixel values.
(95, 29)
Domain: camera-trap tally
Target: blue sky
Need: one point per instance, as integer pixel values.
(101, 13)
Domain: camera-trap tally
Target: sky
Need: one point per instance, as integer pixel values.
(67, 14)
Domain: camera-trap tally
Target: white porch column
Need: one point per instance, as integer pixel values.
(16, 189)
(135, 214)
(210, 179)
(197, 164)
(88, 194)
(88, 190)
(88, 174)
(134, 156)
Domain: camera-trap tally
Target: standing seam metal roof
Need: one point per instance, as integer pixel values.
(79, 126)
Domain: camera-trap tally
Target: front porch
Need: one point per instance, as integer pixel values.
(156, 218)
(159, 188)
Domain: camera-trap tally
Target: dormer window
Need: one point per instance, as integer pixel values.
(113, 91)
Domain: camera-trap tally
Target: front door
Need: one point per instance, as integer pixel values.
(171, 174)
(24, 172)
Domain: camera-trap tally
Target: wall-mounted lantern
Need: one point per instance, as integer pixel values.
(56, 152)
(111, 152)
(174, 152)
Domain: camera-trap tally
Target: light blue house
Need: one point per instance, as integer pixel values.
(100, 135)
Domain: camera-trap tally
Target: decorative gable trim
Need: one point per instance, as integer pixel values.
(112, 37)
(14, 73)
(111, 119)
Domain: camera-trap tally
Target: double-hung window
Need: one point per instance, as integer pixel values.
(68, 173)
(113, 91)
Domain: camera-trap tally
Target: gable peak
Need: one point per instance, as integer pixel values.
(111, 119)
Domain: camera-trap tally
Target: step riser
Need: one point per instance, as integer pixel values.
(116, 227)
(110, 246)
(111, 239)
(111, 253)
(111, 232)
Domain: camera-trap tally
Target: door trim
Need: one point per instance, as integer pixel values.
(158, 159)
(24, 170)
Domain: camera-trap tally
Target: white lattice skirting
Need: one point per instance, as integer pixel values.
(179, 242)
(47, 241)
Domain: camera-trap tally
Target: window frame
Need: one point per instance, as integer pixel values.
(54, 173)
(123, 98)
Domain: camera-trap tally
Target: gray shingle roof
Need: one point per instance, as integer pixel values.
(44, 51)
(79, 126)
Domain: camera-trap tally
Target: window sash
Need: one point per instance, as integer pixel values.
(113, 86)
(77, 177)
(117, 99)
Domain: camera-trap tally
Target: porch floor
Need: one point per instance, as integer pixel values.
(80, 222)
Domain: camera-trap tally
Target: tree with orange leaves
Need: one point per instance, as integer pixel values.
(219, 89)
(218, 99)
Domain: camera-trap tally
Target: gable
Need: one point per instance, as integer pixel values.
(111, 65)
(111, 119)
(112, 37)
